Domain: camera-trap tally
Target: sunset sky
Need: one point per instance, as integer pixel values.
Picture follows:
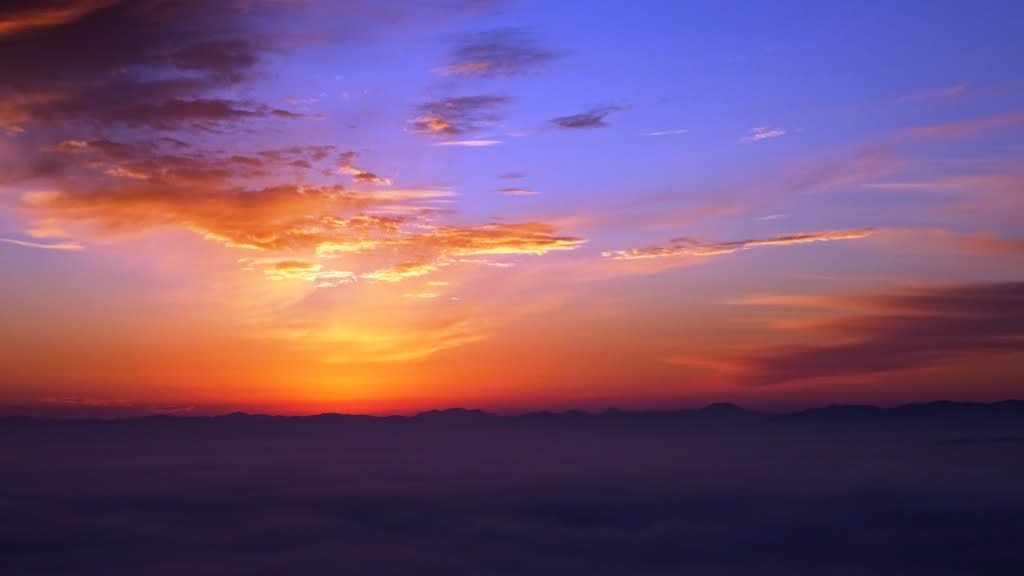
(299, 206)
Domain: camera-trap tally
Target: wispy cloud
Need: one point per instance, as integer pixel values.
(68, 246)
(469, 143)
(593, 118)
(314, 272)
(458, 115)
(501, 52)
(518, 192)
(358, 174)
(944, 93)
(968, 127)
(759, 133)
(668, 132)
(688, 247)
(1009, 249)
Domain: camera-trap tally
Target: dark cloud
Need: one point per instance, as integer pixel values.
(906, 331)
(19, 17)
(138, 62)
(593, 118)
(225, 57)
(501, 52)
(459, 115)
(111, 38)
(162, 105)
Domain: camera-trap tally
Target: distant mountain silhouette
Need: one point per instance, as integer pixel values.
(721, 413)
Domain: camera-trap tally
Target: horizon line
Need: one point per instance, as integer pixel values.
(142, 413)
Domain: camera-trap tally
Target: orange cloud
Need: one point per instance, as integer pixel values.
(400, 272)
(302, 270)
(526, 238)
(110, 190)
(282, 217)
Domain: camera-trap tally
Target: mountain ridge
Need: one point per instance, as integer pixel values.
(718, 411)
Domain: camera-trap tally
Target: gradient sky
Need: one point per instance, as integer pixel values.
(365, 206)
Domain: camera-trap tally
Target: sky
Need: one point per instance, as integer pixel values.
(300, 206)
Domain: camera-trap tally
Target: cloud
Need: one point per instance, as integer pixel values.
(307, 271)
(524, 238)
(500, 52)
(847, 170)
(148, 119)
(469, 143)
(762, 133)
(593, 118)
(966, 128)
(154, 105)
(903, 331)
(668, 132)
(15, 19)
(162, 162)
(109, 190)
(1010, 249)
(358, 174)
(688, 247)
(991, 195)
(273, 218)
(401, 271)
(224, 57)
(458, 115)
(945, 93)
(512, 175)
(141, 63)
(68, 246)
(517, 192)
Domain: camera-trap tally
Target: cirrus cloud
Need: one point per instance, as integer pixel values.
(680, 247)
